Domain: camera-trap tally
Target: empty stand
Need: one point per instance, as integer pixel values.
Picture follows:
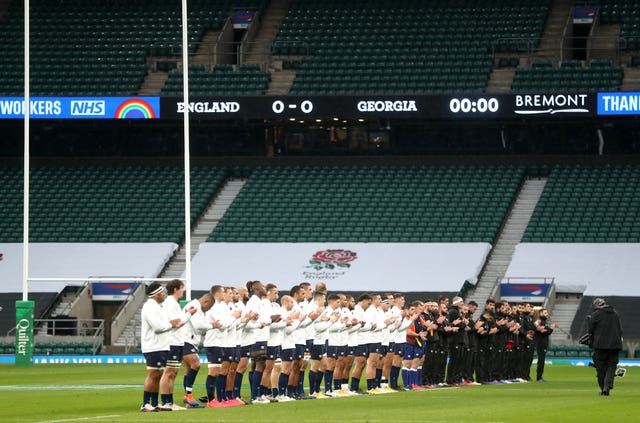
(132, 202)
(401, 47)
(371, 204)
(588, 204)
(83, 47)
(569, 76)
(222, 80)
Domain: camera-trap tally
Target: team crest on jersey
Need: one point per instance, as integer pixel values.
(330, 264)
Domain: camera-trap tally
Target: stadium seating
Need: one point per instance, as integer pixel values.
(588, 204)
(223, 80)
(624, 12)
(570, 76)
(370, 204)
(401, 47)
(83, 47)
(132, 202)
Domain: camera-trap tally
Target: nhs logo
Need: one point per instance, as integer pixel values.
(88, 108)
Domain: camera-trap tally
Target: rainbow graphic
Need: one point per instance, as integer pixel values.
(135, 108)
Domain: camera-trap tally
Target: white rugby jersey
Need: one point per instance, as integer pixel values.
(362, 332)
(193, 330)
(321, 327)
(174, 311)
(276, 329)
(155, 328)
(298, 334)
(288, 340)
(219, 337)
(336, 331)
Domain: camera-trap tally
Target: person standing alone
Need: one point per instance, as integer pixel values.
(606, 333)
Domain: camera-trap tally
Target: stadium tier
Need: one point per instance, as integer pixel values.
(402, 46)
(371, 204)
(570, 76)
(101, 203)
(623, 12)
(85, 47)
(588, 204)
(223, 80)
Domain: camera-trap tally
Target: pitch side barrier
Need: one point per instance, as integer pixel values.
(450, 106)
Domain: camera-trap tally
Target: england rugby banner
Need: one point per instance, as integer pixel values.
(405, 267)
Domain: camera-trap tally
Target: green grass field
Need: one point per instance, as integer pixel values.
(112, 393)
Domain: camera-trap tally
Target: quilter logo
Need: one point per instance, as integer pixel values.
(88, 108)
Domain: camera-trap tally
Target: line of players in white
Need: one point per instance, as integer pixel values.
(247, 329)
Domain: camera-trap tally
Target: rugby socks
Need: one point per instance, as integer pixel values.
(237, 384)
(255, 384)
(189, 380)
(150, 398)
(419, 376)
(393, 377)
(210, 386)
(319, 376)
(328, 380)
(312, 381)
(283, 381)
(300, 390)
(166, 398)
(378, 377)
(405, 377)
(337, 383)
(355, 384)
(221, 383)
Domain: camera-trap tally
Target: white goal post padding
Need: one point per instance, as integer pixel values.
(80, 260)
(379, 267)
(605, 269)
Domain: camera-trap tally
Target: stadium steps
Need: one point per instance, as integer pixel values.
(153, 83)
(204, 226)
(500, 80)
(602, 45)
(260, 50)
(281, 82)
(554, 29)
(631, 81)
(199, 234)
(563, 314)
(502, 252)
(204, 52)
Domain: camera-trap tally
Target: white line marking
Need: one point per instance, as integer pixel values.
(64, 387)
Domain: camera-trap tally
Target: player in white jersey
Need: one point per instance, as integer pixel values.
(318, 348)
(399, 339)
(219, 349)
(244, 338)
(288, 346)
(274, 343)
(192, 333)
(373, 315)
(260, 305)
(362, 338)
(334, 339)
(296, 377)
(175, 292)
(154, 341)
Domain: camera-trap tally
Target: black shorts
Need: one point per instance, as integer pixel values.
(317, 352)
(273, 353)
(374, 348)
(398, 348)
(260, 347)
(351, 350)
(308, 345)
(189, 349)
(156, 359)
(174, 357)
(332, 351)
(236, 354)
(299, 354)
(245, 351)
(288, 354)
(215, 355)
(229, 354)
(362, 351)
(383, 350)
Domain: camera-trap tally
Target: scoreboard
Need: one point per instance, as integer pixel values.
(453, 106)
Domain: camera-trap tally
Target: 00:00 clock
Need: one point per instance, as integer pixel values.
(481, 105)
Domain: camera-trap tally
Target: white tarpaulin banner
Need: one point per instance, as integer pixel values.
(80, 260)
(605, 269)
(343, 266)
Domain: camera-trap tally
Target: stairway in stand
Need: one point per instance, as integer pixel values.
(511, 234)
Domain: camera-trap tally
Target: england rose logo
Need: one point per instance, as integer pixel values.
(332, 259)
